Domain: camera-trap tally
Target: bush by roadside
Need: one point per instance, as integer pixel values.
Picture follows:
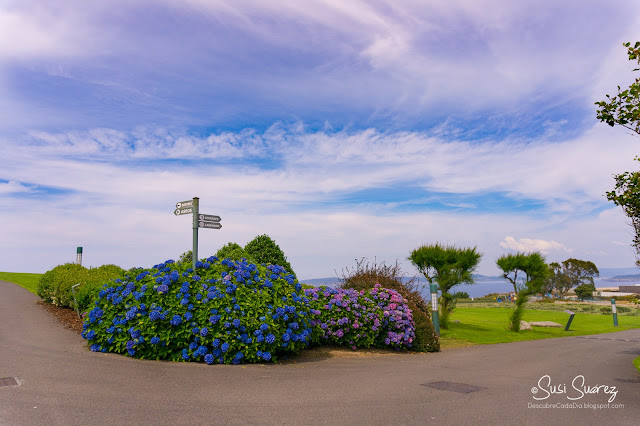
(365, 276)
(54, 286)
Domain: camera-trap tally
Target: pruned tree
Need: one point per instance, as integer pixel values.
(446, 266)
(585, 290)
(527, 273)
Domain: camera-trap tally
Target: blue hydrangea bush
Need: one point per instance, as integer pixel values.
(223, 312)
(376, 317)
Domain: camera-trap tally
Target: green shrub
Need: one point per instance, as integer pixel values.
(624, 309)
(55, 286)
(234, 252)
(605, 310)
(365, 276)
(461, 295)
(262, 249)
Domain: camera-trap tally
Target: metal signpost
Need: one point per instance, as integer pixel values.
(199, 221)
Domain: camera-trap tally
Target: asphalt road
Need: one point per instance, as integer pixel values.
(62, 382)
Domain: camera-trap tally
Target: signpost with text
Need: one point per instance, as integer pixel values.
(199, 221)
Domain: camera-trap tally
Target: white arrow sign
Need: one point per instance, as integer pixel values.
(183, 204)
(212, 225)
(178, 212)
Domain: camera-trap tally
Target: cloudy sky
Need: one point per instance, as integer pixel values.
(343, 129)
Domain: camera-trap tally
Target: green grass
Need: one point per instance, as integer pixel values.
(28, 281)
(481, 326)
(636, 363)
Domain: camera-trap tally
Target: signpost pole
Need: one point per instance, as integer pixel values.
(615, 312)
(196, 204)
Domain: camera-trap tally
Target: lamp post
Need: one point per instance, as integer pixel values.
(79, 256)
(434, 307)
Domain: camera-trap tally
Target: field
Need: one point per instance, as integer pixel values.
(479, 326)
(28, 281)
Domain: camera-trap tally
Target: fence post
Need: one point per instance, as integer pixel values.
(434, 307)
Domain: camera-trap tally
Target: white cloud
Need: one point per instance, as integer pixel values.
(531, 245)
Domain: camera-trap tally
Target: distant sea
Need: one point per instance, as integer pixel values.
(609, 277)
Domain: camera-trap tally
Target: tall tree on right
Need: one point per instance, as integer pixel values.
(527, 273)
(623, 110)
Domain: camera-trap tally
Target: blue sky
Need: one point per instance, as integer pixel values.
(343, 129)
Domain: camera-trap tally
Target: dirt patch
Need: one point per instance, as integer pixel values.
(66, 316)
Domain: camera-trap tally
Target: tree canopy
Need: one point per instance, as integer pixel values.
(527, 273)
(447, 266)
(623, 109)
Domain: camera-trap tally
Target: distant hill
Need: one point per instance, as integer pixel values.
(615, 272)
(624, 279)
(317, 282)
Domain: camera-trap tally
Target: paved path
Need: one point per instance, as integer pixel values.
(64, 383)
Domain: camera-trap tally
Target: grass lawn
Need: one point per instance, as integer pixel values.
(480, 326)
(28, 281)
(636, 362)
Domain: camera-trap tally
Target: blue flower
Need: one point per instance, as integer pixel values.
(204, 331)
(266, 356)
(208, 358)
(163, 288)
(264, 326)
(95, 347)
(202, 350)
(236, 323)
(216, 343)
(155, 340)
(193, 346)
(188, 316)
(224, 347)
(91, 335)
(214, 319)
(285, 337)
(270, 338)
(176, 320)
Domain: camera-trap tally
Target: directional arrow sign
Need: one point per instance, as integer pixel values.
(183, 204)
(179, 211)
(212, 225)
(209, 218)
